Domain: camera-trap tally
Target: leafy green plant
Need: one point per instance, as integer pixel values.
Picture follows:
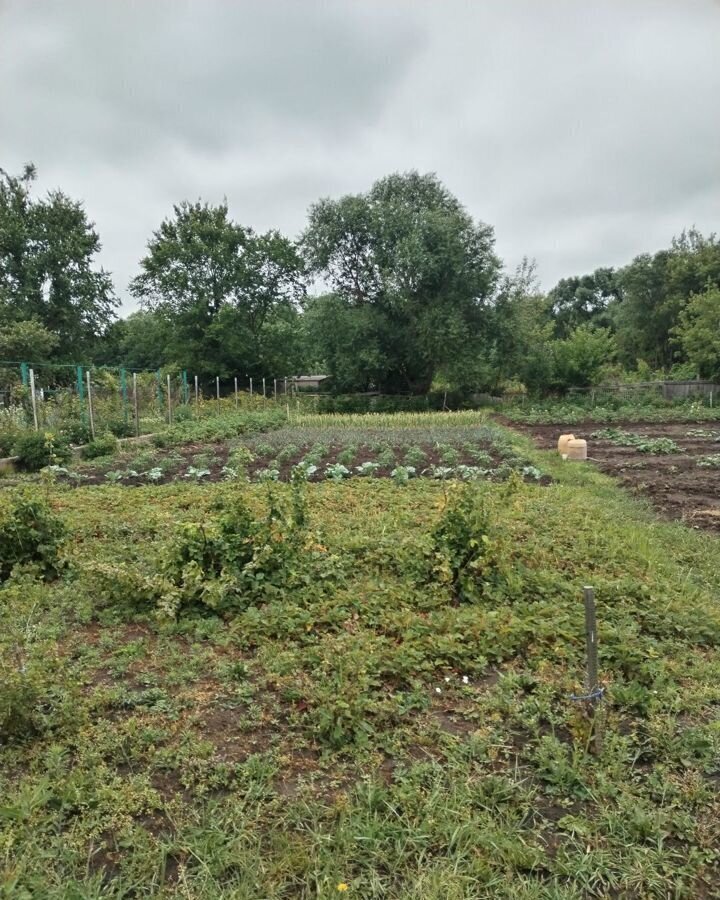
(347, 456)
(367, 468)
(105, 445)
(197, 474)
(449, 456)
(479, 457)
(386, 457)
(231, 563)
(307, 469)
(30, 533)
(37, 449)
(440, 472)
(415, 456)
(640, 442)
(336, 472)
(709, 462)
(464, 553)
(287, 453)
(402, 474)
(531, 472)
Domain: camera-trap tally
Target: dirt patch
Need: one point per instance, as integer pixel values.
(674, 483)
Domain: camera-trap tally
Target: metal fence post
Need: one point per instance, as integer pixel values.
(169, 401)
(33, 399)
(236, 393)
(591, 642)
(217, 391)
(90, 405)
(135, 405)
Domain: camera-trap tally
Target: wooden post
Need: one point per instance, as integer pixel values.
(169, 402)
(236, 393)
(285, 387)
(90, 405)
(33, 399)
(197, 393)
(135, 406)
(591, 642)
(251, 387)
(217, 391)
(263, 388)
(275, 388)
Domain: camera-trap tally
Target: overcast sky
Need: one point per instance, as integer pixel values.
(584, 133)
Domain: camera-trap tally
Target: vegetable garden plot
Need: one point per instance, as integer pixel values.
(676, 466)
(317, 453)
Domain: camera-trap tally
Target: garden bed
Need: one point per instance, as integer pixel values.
(681, 484)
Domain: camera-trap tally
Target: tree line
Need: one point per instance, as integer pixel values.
(413, 296)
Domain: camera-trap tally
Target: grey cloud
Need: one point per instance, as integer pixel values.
(584, 133)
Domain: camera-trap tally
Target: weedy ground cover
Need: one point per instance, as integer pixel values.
(251, 690)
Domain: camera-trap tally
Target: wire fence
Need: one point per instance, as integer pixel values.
(82, 402)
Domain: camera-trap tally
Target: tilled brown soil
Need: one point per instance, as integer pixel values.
(674, 483)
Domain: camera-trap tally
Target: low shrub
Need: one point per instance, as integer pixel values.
(238, 560)
(120, 428)
(37, 449)
(105, 445)
(464, 552)
(29, 533)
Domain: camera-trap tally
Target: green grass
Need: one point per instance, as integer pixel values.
(387, 723)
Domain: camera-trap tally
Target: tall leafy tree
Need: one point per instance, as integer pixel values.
(584, 300)
(221, 287)
(411, 274)
(699, 332)
(655, 290)
(48, 250)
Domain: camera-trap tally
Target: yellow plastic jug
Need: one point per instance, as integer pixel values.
(577, 449)
(563, 442)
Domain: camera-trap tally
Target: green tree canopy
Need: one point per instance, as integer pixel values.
(584, 300)
(699, 332)
(222, 288)
(655, 290)
(47, 276)
(411, 276)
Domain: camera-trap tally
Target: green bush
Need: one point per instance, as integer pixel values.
(105, 445)
(121, 428)
(465, 552)
(76, 432)
(37, 449)
(228, 565)
(29, 533)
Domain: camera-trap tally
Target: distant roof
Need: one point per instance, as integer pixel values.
(311, 377)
